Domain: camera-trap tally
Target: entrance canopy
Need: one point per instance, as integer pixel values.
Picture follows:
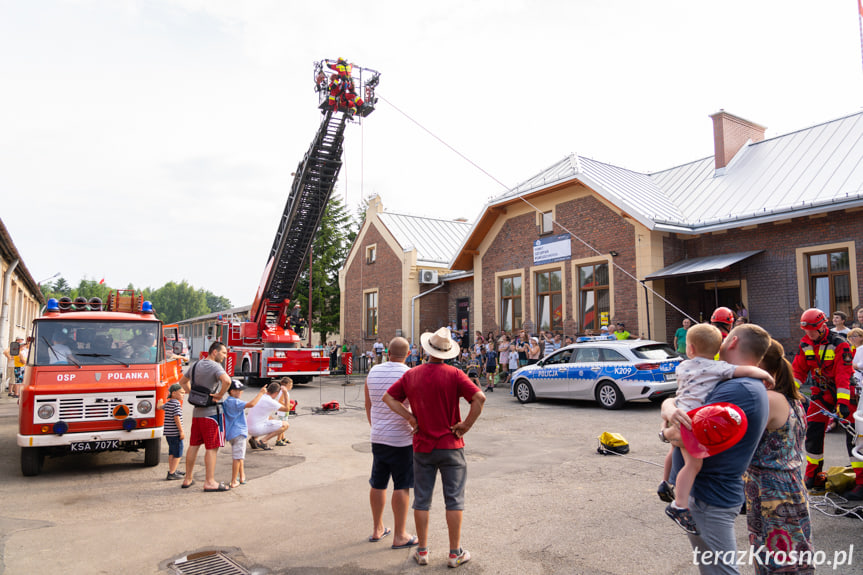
(701, 265)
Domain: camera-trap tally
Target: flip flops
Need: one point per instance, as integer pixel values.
(221, 487)
(386, 533)
(188, 485)
(413, 542)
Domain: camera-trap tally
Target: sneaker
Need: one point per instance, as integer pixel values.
(683, 518)
(665, 492)
(455, 560)
(421, 557)
(282, 442)
(173, 477)
(855, 494)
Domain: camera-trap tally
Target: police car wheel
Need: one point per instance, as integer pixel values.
(608, 395)
(523, 391)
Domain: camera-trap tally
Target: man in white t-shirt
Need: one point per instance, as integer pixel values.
(379, 351)
(261, 427)
(392, 449)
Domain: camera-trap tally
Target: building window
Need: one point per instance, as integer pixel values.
(594, 303)
(547, 223)
(510, 303)
(371, 307)
(371, 254)
(830, 281)
(549, 300)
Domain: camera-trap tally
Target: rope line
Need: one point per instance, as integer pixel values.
(537, 210)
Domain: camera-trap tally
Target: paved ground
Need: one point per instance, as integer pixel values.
(540, 500)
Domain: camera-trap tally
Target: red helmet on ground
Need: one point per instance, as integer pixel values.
(813, 318)
(715, 428)
(722, 315)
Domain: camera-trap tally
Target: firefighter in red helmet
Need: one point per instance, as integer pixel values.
(824, 361)
(723, 318)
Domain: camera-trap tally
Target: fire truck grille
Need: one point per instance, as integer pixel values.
(74, 409)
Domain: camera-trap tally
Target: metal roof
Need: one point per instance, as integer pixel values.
(701, 265)
(435, 240)
(808, 171)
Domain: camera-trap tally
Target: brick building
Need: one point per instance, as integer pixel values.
(390, 282)
(773, 224)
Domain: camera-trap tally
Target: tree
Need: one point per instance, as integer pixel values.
(217, 302)
(329, 249)
(176, 301)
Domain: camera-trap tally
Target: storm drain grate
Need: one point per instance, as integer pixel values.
(208, 563)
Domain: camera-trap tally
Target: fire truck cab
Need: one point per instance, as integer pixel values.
(94, 375)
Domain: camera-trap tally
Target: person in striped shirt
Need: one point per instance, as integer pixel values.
(392, 449)
(173, 430)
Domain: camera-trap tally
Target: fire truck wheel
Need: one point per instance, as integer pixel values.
(31, 461)
(152, 451)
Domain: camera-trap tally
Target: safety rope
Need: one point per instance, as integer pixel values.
(537, 210)
(831, 504)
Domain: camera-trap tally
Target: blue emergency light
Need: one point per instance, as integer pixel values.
(147, 307)
(52, 305)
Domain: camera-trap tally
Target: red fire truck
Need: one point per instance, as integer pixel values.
(94, 374)
(267, 346)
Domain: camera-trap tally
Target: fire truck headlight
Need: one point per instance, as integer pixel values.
(145, 406)
(45, 412)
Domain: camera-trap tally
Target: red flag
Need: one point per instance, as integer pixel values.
(101, 281)
(860, 7)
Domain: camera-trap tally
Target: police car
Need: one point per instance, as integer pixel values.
(611, 372)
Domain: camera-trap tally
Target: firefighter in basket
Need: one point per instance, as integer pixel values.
(824, 361)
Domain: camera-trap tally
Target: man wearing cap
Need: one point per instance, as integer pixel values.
(824, 361)
(717, 493)
(434, 390)
(620, 331)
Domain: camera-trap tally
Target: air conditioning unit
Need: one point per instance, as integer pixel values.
(428, 277)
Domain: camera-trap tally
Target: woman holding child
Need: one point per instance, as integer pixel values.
(777, 505)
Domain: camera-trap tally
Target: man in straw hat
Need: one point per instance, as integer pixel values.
(433, 390)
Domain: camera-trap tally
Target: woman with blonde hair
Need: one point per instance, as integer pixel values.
(777, 502)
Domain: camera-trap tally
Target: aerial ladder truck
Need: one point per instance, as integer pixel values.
(266, 346)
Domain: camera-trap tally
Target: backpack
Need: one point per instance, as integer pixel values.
(199, 395)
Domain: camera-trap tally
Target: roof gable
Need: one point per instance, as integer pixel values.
(435, 240)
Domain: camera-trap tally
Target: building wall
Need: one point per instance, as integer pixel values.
(509, 250)
(774, 284)
(385, 276)
(24, 304)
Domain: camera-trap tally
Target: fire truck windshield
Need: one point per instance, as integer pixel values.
(62, 342)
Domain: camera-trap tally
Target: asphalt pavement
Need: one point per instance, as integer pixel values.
(539, 500)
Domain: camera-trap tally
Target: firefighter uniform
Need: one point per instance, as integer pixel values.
(827, 365)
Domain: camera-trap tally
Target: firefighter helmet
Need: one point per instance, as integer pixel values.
(715, 428)
(722, 315)
(813, 318)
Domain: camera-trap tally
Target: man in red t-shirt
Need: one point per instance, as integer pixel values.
(434, 390)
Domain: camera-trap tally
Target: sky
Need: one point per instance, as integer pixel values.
(152, 141)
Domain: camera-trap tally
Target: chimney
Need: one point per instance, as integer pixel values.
(730, 133)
